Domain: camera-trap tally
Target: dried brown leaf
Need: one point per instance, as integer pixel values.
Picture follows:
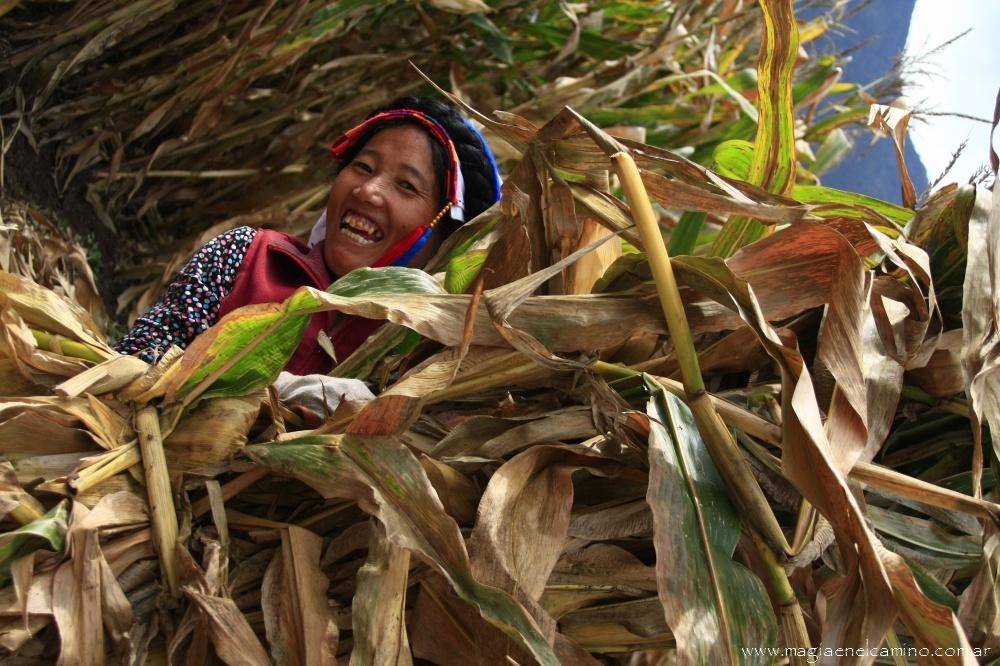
(378, 608)
(979, 607)
(943, 377)
(524, 516)
(864, 606)
(893, 121)
(231, 635)
(85, 592)
(205, 439)
(934, 626)
(300, 628)
(980, 311)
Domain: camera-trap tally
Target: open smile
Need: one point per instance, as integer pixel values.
(360, 229)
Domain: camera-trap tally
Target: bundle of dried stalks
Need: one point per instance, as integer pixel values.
(518, 498)
(33, 247)
(768, 438)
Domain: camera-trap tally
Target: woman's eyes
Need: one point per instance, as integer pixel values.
(367, 168)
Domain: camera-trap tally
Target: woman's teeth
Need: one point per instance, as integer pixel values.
(360, 229)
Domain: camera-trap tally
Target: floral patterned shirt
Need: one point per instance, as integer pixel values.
(190, 304)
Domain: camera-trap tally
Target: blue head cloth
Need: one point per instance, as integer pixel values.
(494, 169)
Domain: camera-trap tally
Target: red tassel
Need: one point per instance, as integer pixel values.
(400, 248)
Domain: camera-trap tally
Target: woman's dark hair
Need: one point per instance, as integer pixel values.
(477, 171)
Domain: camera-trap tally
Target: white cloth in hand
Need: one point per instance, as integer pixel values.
(319, 393)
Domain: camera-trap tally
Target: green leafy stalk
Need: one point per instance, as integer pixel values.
(67, 347)
(685, 236)
(773, 165)
(718, 438)
(712, 604)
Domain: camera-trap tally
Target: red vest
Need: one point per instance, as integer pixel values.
(277, 264)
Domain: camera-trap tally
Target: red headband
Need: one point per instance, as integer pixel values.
(454, 185)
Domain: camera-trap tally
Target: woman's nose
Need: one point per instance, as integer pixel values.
(372, 190)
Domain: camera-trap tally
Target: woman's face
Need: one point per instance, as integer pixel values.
(387, 191)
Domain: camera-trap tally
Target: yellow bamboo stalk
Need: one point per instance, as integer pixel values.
(161, 500)
(527, 370)
(793, 623)
(28, 511)
(125, 457)
(68, 347)
(721, 445)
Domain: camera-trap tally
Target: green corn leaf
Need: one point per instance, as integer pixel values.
(823, 72)
(733, 158)
(387, 280)
(934, 590)
(627, 271)
(703, 591)
(651, 13)
(47, 532)
(846, 204)
(390, 339)
(650, 115)
(932, 623)
(685, 236)
(744, 79)
(494, 39)
(773, 166)
(326, 23)
(250, 346)
(591, 44)
(924, 535)
(836, 121)
(834, 148)
(247, 351)
(462, 270)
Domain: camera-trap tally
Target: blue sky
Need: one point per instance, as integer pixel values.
(963, 77)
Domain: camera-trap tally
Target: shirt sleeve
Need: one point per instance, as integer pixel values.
(191, 303)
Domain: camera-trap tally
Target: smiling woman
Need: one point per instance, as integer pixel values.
(409, 175)
(388, 191)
